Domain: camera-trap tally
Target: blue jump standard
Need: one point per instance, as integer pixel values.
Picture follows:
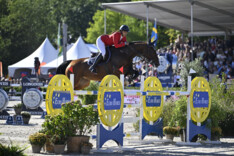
(105, 135)
(157, 128)
(194, 130)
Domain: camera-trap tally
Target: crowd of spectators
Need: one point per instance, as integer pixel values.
(217, 56)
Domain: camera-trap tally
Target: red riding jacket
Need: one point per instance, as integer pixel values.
(114, 39)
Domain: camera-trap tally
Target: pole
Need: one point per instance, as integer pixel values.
(191, 2)
(64, 42)
(147, 33)
(147, 23)
(105, 21)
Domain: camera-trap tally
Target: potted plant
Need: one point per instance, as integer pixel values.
(26, 117)
(216, 133)
(170, 132)
(86, 147)
(59, 125)
(81, 119)
(59, 143)
(49, 146)
(18, 108)
(37, 140)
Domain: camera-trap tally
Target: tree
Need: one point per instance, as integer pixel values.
(137, 28)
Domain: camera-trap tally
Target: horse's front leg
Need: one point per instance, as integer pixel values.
(133, 73)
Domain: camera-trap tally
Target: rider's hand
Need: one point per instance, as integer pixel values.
(126, 43)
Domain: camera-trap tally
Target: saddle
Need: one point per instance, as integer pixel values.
(105, 60)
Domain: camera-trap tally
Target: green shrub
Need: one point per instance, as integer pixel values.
(25, 114)
(222, 106)
(186, 66)
(81, 118)
(37, 139)
(170, 130)
(90, 99)
(167, 113)
(179, 114)
(216, 131)
(19, 105)
(11, 150)
(58, 139)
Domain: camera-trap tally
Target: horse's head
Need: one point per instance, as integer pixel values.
(147, 51)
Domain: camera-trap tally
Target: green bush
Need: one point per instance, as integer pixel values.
(186, 66)
(90, 99)
(81, 118)
(19, 105)
(168, 109)
(25, 114)
(57, 124)
(37, 139)
(170, 130)
(222, 106)
(179, 114)
(11, 150)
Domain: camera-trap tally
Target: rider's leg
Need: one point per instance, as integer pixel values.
(102, 49)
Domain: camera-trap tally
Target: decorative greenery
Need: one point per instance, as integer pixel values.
(19, 105)
(168, 108)
(12, 150)
(179, 114)
(186, 66)
(57, 124)
(58, 139)
(90, 99)
(80, 118)
(25, 114)
(87, 144)
(37, 139)
(170, 130)
(216, 131)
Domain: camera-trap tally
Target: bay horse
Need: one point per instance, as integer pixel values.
(120, 57)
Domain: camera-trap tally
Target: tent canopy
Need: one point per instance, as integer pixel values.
(46, 53)
(215, 16)
(78, 50)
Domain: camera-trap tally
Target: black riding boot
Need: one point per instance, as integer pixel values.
(97, 60)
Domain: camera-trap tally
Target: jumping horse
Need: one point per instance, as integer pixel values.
(119, 58)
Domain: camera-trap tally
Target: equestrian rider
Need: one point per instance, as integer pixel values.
(118, 39)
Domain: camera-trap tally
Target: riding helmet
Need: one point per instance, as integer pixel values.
(124, 28)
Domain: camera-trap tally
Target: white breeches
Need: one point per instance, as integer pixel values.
(101, 46)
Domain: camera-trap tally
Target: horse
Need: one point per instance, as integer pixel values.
(119, 57)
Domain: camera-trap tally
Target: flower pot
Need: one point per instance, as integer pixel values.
(49, 147)
(170, 137)
(18, 111)
(36, 148)
(59, 149)
(85, 149)
(74, 143)
(26, 120)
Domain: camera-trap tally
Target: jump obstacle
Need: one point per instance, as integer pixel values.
(110, 104)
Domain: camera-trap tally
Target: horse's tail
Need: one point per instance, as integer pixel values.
(62, 67)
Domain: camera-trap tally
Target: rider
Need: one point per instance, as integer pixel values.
(118, 39)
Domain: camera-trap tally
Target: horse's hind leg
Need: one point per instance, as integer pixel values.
(82, 84)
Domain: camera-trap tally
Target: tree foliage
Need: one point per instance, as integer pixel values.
(24, 24)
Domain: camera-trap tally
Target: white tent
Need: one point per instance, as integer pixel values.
(78, 50)
(46, 53)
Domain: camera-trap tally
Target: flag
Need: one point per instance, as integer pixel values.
(154, 35)
(60, 40)
(121, 69)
